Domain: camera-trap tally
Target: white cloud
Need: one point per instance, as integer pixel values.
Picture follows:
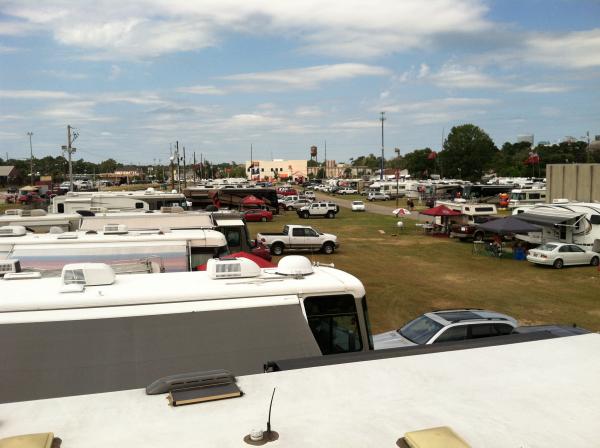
(112, 29)
(579, 49)
(6, 49)
(542, 88)
(455, 76)
(357, 124)
(64, 74)
(423, 71)
(308, 112)
(302, 78)
(441, 110)
(35, 94)
(202, 90)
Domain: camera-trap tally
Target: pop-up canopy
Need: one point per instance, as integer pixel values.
(440, 210)
(252, 200)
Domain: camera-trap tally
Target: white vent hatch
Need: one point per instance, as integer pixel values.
(232, 268)
(171, 209)
(87, 274)
(115, 228)
(14, 212)
(296, 265)
(32, 275)
(13, 231)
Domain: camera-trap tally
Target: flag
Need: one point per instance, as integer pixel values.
(432, 155)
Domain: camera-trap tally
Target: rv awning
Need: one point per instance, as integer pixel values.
(230, 223)
(547, 220)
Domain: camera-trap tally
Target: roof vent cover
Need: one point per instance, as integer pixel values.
(232, 268)
(294, 265)
(9, 265)
(13, 231)
(115, 228)
(88, 274)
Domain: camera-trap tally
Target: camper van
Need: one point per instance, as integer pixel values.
(566, 222)
(110, 201)
(465, 226)
(234, 316)
(519, 197)
(129, 251)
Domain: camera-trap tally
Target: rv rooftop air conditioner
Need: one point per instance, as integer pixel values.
(88, 274)
(14, 212)
(560, 201)
(115, 228)
(33, 212)
(11, 266)
(232, 268)
(13, 231)
(295, 265)
(149, 190)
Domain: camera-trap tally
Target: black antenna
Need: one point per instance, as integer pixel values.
(269, 420)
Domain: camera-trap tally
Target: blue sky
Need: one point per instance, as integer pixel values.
(218, 75)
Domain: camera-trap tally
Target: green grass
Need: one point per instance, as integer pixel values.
(411, 273)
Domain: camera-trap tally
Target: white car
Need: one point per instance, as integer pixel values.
(358, 206)
(562, 254)
(377, 196)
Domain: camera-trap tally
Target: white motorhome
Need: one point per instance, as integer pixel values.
(392, 188)
(91, 331)
(107, 201)
(566, 222)
(131, 251)
(521, 197)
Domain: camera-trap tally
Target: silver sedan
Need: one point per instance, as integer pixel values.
(562, 254)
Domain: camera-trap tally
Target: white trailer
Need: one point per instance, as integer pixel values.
(172, 251)
(90, 331)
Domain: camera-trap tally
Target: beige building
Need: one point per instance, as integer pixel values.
(276, 169)
(577, 182)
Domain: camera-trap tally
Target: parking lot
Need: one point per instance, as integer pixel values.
(407, 273)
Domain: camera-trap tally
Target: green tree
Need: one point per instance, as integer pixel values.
(468, 153)
(420, 163)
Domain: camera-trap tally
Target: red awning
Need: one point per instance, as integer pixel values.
(261, 262)
(440, 210)
(252, 200)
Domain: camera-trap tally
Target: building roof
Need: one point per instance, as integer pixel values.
(541, 393)
(6, 170)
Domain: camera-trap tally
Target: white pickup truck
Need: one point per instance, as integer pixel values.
(295, 237)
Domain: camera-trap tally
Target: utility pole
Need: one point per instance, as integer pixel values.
(194, 170)
(30, 134)
(251, 164)
(184, 170)
(397, 150)
(201, 167)
(382, 118)
(325, 163)
(178, 166)
(70, 150)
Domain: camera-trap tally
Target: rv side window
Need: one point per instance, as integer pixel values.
(61, 208)
(139, 205)
(333, 321)
(534, 195)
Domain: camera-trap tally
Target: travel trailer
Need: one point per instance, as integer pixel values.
(228, 223)
(107, 201)
(466, 225)
(230, 196)
(390, 187)
(92, 331)
(521, 197)
(171, 251)
(565, 222)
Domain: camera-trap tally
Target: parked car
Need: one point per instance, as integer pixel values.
(358, 206)
(377, 196)
(296, 237)
(447, 326)
(347, 190)
(255, 215)
(322, 209)
(562, 254)
(296, 205)
(310, 195)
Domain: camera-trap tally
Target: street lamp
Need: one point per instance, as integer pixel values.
(30, 134)
(397, 151)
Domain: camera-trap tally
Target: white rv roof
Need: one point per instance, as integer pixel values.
(531, 394)
(208, 237)
(17, 296)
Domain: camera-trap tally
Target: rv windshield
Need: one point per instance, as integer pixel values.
(420, 330)
(547, 247)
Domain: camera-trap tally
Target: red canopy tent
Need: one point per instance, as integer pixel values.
(261, 262)
(252, 200)
(440, 210)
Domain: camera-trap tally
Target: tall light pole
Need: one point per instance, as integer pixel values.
(30, 134)
(382, 118)
(397, 151)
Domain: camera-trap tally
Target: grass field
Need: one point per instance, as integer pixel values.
(411, 273)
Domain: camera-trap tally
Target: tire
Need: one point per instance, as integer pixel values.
(330, 215)
(263, 219)
(328, 248)
(289, 208)
(478, 236)
(595, 261)
(558, 264)
(277, 249)
(305, 215)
